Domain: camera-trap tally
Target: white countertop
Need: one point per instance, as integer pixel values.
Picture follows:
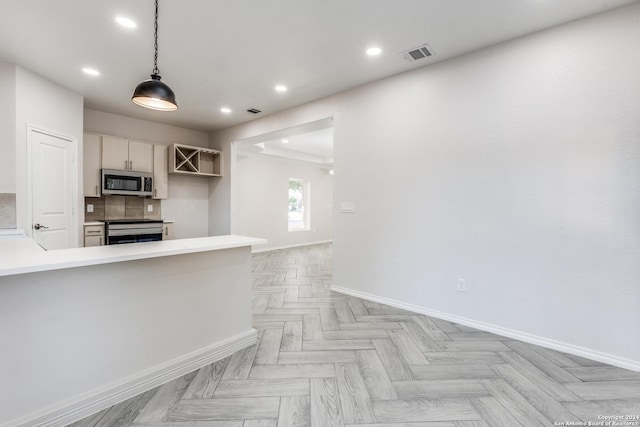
(25, 256)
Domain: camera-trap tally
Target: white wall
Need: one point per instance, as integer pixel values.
(515, 168)
(44, 104)
(188, 202)
(7, 128)
(262, 191)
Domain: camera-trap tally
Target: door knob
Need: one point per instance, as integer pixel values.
(38, 226)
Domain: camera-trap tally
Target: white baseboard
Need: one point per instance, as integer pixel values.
(97, 400)
(587, 353)
(256, 250)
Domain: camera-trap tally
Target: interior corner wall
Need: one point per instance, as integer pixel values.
(8, 128)
(46, 105)
(263, 183)
(219, 198)
(188, 199)
(514, 168)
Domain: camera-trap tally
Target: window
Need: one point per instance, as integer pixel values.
(298, 204)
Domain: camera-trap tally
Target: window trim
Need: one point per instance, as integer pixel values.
(306, 205)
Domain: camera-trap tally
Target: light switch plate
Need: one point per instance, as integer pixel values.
(89, 208)
(149, 208)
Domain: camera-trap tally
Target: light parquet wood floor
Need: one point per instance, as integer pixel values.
(326, 359)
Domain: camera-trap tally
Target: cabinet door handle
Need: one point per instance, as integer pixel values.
(166, 230)
(155, 192)
(100, 240)
(97, 191)
(130, 165)
(126, 164)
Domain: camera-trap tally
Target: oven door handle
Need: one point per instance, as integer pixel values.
(132, 232)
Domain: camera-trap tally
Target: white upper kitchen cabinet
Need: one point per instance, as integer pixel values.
(160, 172)
(140, 156)
(115, 153)
(123, 154)
(91, 164)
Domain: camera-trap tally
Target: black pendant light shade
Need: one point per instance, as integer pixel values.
(153, 93)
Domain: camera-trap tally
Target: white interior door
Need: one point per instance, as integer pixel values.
(52, 189)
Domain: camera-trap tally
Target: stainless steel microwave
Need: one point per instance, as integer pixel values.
(126, 183)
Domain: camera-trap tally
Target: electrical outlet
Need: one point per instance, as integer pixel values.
(89, 208)
(462, 285)
(149, 208)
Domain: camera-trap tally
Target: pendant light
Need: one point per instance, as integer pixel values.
(153, 93)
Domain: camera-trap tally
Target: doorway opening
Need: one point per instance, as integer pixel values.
(282, 186)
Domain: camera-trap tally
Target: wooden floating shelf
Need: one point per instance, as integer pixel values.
(196, 161)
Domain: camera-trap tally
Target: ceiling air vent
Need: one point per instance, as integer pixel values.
(253, 111)
(417, 53)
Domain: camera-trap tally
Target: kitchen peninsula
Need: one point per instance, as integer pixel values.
(85, 328)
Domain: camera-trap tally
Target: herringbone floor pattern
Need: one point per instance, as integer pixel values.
(325, 359)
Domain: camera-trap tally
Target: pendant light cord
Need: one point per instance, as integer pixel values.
(152, 93)
(155, 45)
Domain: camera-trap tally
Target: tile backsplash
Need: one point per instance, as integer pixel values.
(107, 207)
(7, 210)
(121, 207)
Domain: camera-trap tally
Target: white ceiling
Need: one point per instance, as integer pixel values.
(318, 143)
(232, 53)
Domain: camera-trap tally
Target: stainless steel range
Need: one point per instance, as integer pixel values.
(132, 231)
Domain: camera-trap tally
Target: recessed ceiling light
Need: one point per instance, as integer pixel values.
(225, 110)
(91, 71)
(284, 141)
(374, 51)
(281, 88)
(125, 22)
